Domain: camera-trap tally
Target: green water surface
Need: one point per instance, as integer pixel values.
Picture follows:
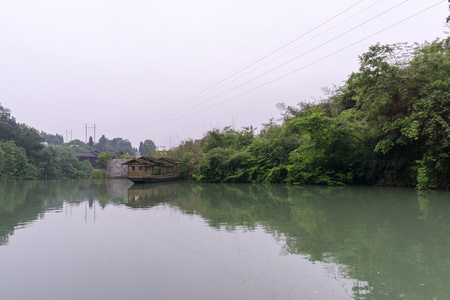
(113, 240)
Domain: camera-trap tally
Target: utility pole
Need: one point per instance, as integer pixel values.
(67, 135)
(86, 131)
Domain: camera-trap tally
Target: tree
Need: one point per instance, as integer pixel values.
(22, 155)
(53, 139)
(124, 146)
(147, 147)
(102, 161)
(103, 144)
(7, 124)
(115, 145)
(23, 136)
(91, 142)
(404, 95)
(329, 153)
(14, 163)
(124, 156)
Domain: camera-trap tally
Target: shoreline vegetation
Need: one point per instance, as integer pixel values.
(388, 124)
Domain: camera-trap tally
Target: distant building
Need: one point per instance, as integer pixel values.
(92, 156)
(89, 156)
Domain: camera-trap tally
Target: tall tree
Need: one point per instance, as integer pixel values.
(8, 124)
(51, 139)
(147, 147)
(102, 161)
(103, 144)
(406, 102)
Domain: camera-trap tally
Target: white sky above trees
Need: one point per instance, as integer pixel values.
(171, 70)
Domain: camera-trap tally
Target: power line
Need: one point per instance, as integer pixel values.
(218, 63)
(267, 62)
(251, 64)
(314, 37)
(305, 66)
(270, 53)
(283, 64)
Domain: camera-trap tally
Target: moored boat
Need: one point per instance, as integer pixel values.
(149, 169)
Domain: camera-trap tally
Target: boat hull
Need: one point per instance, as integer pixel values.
(154, 179)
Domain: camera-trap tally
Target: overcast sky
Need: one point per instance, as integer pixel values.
(170, 70)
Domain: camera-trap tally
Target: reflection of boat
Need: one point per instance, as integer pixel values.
(149, 169)
(142, 195)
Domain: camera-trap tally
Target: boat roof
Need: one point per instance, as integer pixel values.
(172, 161)
(151, 161)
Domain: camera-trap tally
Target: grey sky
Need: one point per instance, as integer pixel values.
(171, 70)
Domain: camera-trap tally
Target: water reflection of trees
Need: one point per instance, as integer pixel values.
(396, 242)
(23, 203)
(146, 196)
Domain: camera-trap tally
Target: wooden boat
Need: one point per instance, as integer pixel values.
(149, 169)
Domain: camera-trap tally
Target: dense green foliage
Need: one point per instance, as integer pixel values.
(147, 148)
(115, 145)
(23, 156)
(99, 174)
(79, 146)
(14, 162)
(388, 124)
(59, 163)
(53, 139)
(103, 158)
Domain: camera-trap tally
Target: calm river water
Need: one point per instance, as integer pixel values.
(112, 240)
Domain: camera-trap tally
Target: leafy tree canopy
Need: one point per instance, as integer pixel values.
(22, 155)
(51, 139)
(102, 161)
(388, 124)
(115, 145)
(147, 148)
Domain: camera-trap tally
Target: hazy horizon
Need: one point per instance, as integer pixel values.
(172, 70)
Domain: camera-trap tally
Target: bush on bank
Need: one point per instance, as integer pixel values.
(387, 125)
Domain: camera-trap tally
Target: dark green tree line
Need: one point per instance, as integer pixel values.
(23, 155)
(116, 145)
(147, 148)
(388, 124)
